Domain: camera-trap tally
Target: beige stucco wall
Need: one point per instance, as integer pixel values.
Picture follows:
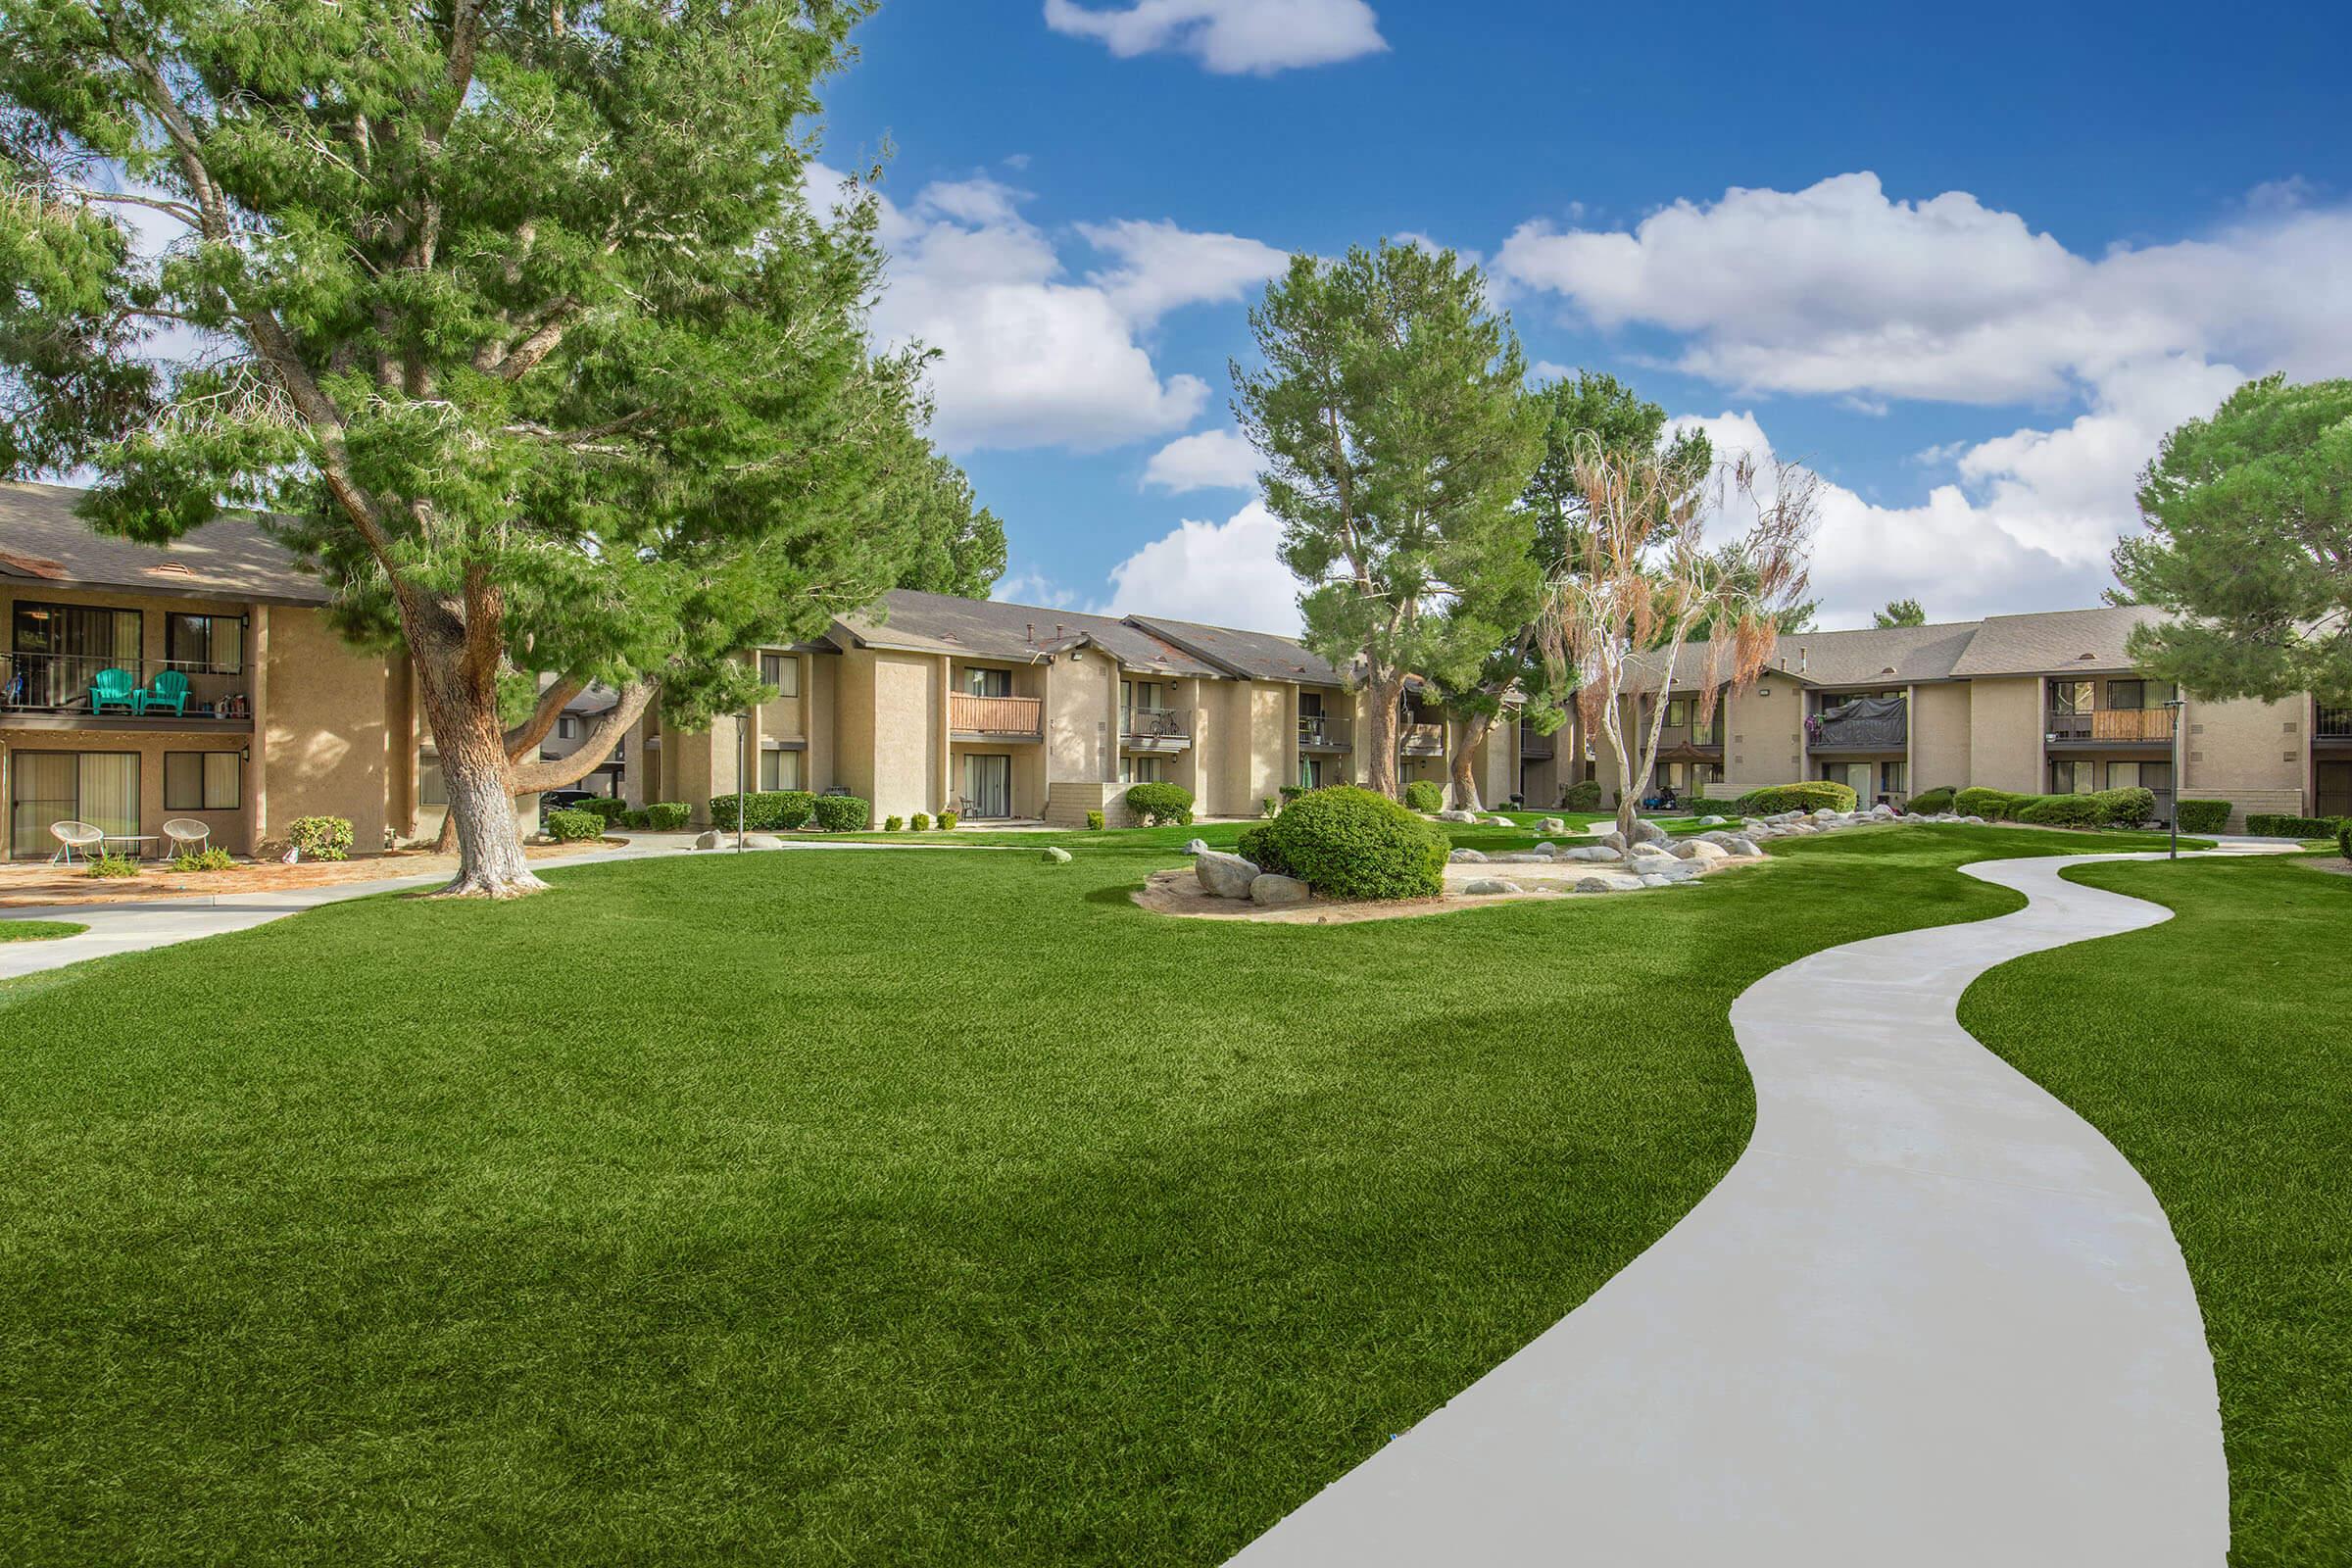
(2252, 753)
(1940, 736)
(2005, 735)
(321, 726)
(893, 730)
(1763, 733)
(231, 830)
(1082, 711)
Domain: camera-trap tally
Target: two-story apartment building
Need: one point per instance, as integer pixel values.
(2034, 704)
(999, 710)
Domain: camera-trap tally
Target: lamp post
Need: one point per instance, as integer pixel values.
(2174, 708)
(743, 758)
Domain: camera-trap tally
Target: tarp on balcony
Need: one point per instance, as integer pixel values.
(1865, 721)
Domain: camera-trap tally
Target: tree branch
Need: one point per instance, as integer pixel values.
(555, 773)
(526, 737)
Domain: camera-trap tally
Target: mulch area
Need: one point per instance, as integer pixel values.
(23, 885)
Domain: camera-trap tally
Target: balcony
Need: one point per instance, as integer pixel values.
(1421, 740)
(1533, 745)
(60, 691)
(1154, 730)
(1321, 732)
(996, 717)
(1865, 724)
(2334, 726)
(2113, 726)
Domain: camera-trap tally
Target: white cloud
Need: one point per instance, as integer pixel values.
(1211, 460)
(1229, 37)
(1027, 357)
(1837, 289)
(1224, 574)
(1032, 588)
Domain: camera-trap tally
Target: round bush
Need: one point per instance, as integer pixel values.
(1157, 804)
(841, 814)
(611, 807)
(2129, 806)
(571, 827)
(2063, 810)
(667, 816)
(2203, 817)
(320, 838)
(2343, 839)
(920, 821)
(1930, 803)
(1581, 795)
(1423, 796)
(1349, 843)
(1995, 805)
(1813, 795)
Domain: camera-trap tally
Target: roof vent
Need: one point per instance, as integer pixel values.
(2087, 655)
(1801, 660)
(172, 568)
(1889, 670)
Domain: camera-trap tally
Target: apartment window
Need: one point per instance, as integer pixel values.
(100, 788)
(987, 682)
(783, 673)
(205, 645)
(67, 645)
(2072, 697)
(1310, 705)
(1677, 712)
(1703, 732)
(1142, 769)
(2157, 776)
(202, 781)
(779, 770)
(2073, 778)
(432, 788)
(568, 728)
(2136, 694)
(1890, 778)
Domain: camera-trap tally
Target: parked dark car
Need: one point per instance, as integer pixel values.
(560, 799)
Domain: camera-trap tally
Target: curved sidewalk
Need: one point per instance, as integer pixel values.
(1931, 1317)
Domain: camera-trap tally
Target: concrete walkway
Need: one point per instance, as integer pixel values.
(1930, 1319)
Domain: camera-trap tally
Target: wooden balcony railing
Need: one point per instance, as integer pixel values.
(996, 715)
(2113, 725)
(1156, 723)
(1325, 732)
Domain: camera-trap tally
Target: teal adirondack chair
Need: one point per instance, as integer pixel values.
(169, 691)
(113, 688)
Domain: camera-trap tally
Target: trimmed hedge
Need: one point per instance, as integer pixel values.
(1581, 795)
(2343, 839)
(320, 838)
(2130, 806)
(572, 825)
(841, 814)
(891, 824)
(1423, 796)
(1931, 803)
(920, 822)
(1813, 795)
(611, 807)
(1158, 805)
(2063, 810)
(1701, 806)
(767, 810)
(2203, 817)
(1995, 805)
(667, 816)
(1349, 843)
(2275, 826)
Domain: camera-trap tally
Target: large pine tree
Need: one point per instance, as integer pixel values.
(515, 312)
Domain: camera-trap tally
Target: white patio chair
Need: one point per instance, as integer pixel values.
(184, 835)
(71, 836)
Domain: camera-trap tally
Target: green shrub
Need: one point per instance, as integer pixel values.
(1094, 821)
(920, 821)
(1352, 843)
(949, 819)
(1269, 805)
(320, 838)
(1931, 802)
(2201, 816)
(1813, 795)
(1291, 792)
(2063, 810)
(210, 858)
(637, 818)
(842, 813)
(2272, 827)
(1995, 805)
(1423, 796)
(1157, 804)
(570, 826)
(1581, 795)
(667, 816)
(1702, 806)
(104, 864)
(2129, 807)
(766, 810)
(2343, 839)
(891, 824)
(611, 807)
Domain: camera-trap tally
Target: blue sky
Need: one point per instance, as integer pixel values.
(1969, 266)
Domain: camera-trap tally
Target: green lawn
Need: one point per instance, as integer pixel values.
(39, 930)
(878, 1208)
(2216, 1052)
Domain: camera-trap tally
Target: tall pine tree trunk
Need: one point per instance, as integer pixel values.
(1381, 696)
(457, 678)
(1470, 738)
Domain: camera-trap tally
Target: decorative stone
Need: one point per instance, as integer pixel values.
(1611, 840)
(1712, 821)
(1469, 818)
(1746, 848)
(1227, 877)
(1594, 884)
(1467, 858)
(1276, 891)
(711, 839)
(1654, 881)
(1552, 824)
(1195, 846)
(1487, 886)
(1698, 852)
(1523, 857)
(1974, 821)
(1056, 856)
(1591, 852)
(1501, 821)
(1648, 832)
(1547, 848)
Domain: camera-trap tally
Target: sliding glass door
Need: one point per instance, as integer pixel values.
(100, 788)
(988, 784)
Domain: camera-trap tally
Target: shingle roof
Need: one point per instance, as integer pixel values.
(2056, 642)
(988, 628)
(1258, 655)
(1897, 654)
(41, 540)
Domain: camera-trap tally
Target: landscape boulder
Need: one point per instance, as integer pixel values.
(1195, 846)
(1486, 886)
(1648, 832)
(1056, 856)
(1611, 840)
(1552, 824)
(1464, 816)
(1744, 846)
(711, 839)
(1594, 884)
(1591, 852)
(1227, 877)
(1467, 858)
(1713, 821)
(1653, 880)
(1698, 852)
(1275, 890)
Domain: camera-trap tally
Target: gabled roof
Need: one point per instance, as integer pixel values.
(1896, 655)
(1254, 655)
(990, 629)
(43, 541)
(2058, 642)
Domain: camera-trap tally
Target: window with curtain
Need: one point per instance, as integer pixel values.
(2071, 697)
(205, 645)
(1890, 778)
(202, 781)
(2073, 778)
(568, 728)
(431, 789)
(987, 682)
(781, 770)
(108, 782)
(1677, 712)
(43, 788)
(783, 673)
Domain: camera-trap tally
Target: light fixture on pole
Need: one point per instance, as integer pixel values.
(743, 758)
(2174, 708)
